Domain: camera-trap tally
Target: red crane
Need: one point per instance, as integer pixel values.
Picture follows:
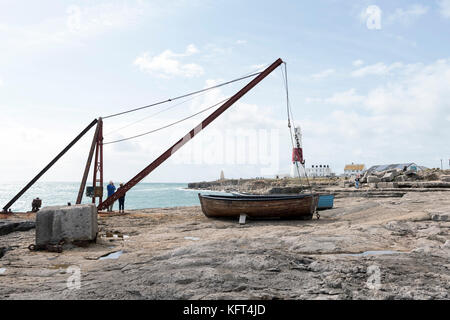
(97, 147)
(191, 134)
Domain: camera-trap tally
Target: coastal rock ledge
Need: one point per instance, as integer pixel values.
(363, 248)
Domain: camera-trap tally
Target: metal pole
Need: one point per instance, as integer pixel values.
(100, 168)
(88, 165)
(21, 192)
(152, 166)
(98, 162)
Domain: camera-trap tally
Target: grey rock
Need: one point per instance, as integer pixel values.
(387, 185)
(400, 178)
(373, 179)
(13, 226)
(388, 177)
(440, 216)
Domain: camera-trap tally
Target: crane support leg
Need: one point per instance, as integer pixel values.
(98, 162)
(88, 165)
(70, 145)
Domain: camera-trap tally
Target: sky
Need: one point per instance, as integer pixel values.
(368, 83)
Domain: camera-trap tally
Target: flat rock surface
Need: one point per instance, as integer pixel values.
(364, 248)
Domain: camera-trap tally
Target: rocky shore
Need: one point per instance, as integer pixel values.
(364, 248)
(387, 183)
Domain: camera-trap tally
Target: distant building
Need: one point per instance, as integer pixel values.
(222, 176)
(399, 166)
(353, 169)
(321, 170)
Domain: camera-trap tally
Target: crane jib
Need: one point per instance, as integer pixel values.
(191, 134)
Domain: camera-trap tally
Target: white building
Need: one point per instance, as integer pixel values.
(320, 170)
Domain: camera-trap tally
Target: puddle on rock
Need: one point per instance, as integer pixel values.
(113, 255)
(192, 238)
(2, 270)
(372, 253)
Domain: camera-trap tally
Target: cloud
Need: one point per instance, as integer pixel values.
(76, 23)
(444, 8)
(1, 82)
(345, 98)
(373, 16)
(102, 17)
(407, 109)
(358, 63)
(258, 66)
(239, 42)
(323, 74)
(407, 16)
(169, 64)
(398, 121)
(379, 69)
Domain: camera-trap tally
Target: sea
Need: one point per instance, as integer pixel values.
(141, 196)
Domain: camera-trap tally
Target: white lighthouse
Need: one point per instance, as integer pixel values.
(297, 154)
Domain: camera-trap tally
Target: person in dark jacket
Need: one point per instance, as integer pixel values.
(358, 177)
(121, 201)
(111, 189)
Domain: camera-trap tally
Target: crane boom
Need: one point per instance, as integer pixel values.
(191, 134)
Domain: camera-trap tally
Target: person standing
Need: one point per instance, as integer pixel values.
(111, 189)
(122, 201)
(357, 181)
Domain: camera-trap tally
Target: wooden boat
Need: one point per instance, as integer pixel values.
(300, 206)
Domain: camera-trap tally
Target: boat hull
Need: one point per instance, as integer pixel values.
(284, 207)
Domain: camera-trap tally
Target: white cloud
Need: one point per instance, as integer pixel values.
(101, 17)
(413, 108)
(405, 120)
(407, 16)
(379, 69)
(345, 98)
(323, 74)
(258, 66)
(168, 63)
(241, 42)
(444, 6)
(358, 63)
(74, 24)
(1, 82)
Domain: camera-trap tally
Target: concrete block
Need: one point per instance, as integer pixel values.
(445, 178)
(372, 185)
(68, 223)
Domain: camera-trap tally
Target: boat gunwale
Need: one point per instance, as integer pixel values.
(256, 197)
